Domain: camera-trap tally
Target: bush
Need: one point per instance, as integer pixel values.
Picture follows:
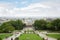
(58, 39)
(17, 38)
(21, 35)
(0, 38)
(24, 31)
(37, 34)
(43, 38)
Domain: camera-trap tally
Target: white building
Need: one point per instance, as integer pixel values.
(28, 21)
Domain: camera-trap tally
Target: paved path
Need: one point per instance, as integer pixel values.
(53, 33)
(42, 35)
(28, 28)
(13, 36)
(17, 35)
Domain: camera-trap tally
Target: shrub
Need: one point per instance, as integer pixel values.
(17, 38)
(43, 38)
(0, 38)
(58, 39)
(24, 31)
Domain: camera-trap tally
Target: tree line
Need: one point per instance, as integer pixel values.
(47, 25)
(11, 25)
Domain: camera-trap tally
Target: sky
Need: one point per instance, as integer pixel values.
(29, 8)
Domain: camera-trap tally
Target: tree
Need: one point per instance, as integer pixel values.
(11, 26)
(6, 27)
(17, 24)
(36, 25)
(40, 24)
(49, 25)
(56, 24)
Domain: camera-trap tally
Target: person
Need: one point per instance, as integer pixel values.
(46, 38)
(11, 38)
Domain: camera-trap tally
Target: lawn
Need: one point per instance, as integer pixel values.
(5, 35)
(30, 37)
(54, 35)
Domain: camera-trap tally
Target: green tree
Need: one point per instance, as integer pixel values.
(36, 25)
(56, 24)
(40, 24)
(6, 27)
(18, 24)
(11, 26)
(49, 25)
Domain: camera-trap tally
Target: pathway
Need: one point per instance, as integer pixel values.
(42, 35)
(28, 28)
(13, 36)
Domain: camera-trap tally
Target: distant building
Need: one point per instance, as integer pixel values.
(28, 21)
(2, 20)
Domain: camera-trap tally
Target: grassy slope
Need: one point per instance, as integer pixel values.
(5, 35)
(29, 37)
(54, 35)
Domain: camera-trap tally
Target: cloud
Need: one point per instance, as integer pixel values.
(35, 5)
(41, 9)
(32, 10)
(24, 2)
(4, 9)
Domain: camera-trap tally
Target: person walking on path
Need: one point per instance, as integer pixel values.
(46, 38)
(11, 38)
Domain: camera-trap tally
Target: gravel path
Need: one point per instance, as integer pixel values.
(42, 35)
(29, 28)
(13, 36)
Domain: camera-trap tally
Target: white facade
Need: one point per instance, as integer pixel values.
(28, 21)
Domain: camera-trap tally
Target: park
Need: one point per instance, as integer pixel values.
(38, 30)
(29, 19)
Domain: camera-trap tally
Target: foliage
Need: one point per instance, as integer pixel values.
(0, 38)
(47, 25)
(11, 25)
(58, 38)
(17, 38)
(17, 24)
(6, 27)
(56, 24)
(40, 24)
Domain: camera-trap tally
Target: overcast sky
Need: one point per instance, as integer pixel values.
(29, 8)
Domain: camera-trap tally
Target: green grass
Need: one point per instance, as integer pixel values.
(30, 37)
(49, 31)
(54, 35)
(5, 35)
